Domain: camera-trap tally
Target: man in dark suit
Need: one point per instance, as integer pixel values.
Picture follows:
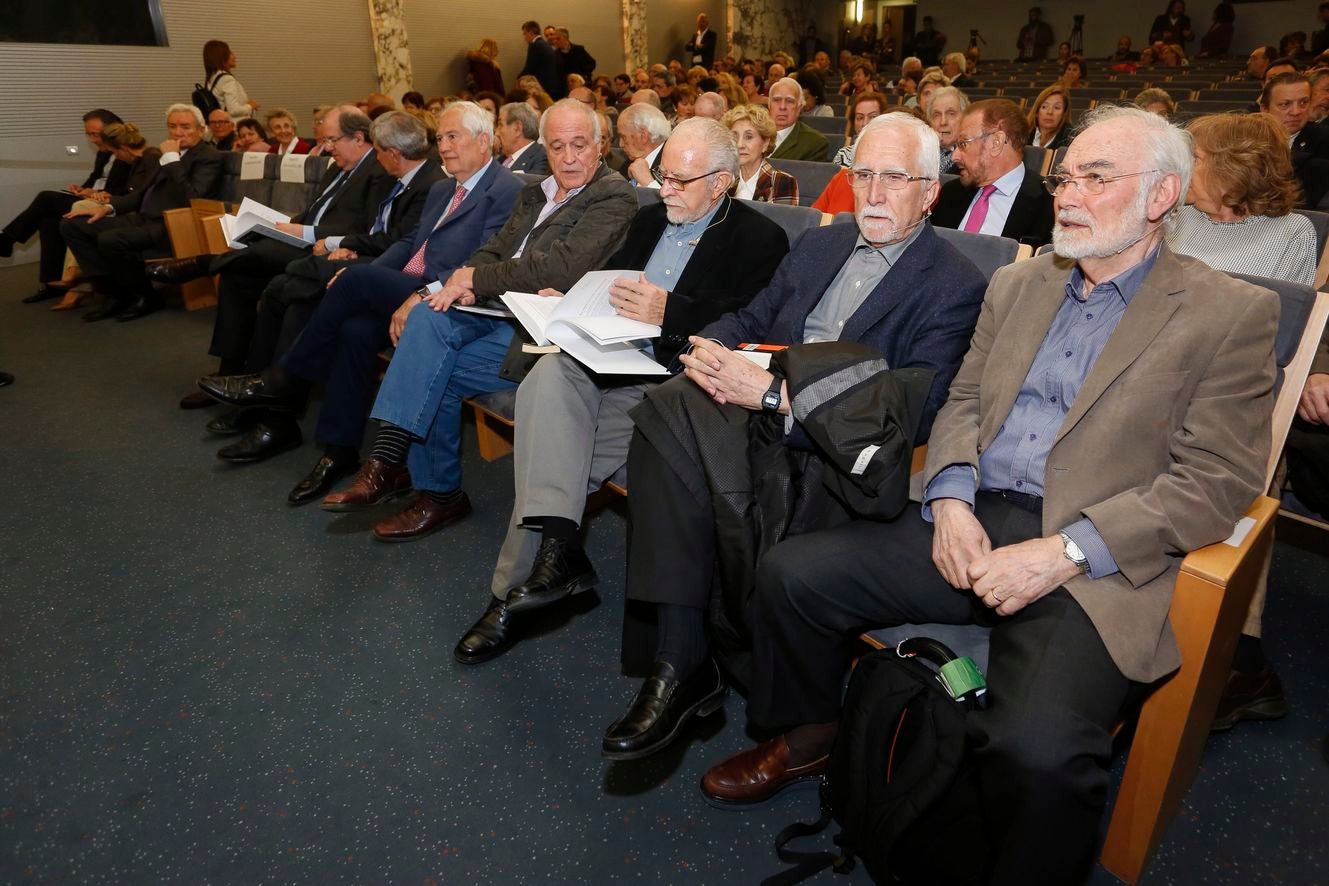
(888, 282)
(111, 250)
(794, 139)
(348, 200)
(995, 193)
(700, 255)
(542, 61)
(573, 58)
(702, 45)
(1034, 38)
(642, 130)
(1112, 413)
(518, 133)
(1287, 97)
(367, 305)
(44, 213)
(402, 148)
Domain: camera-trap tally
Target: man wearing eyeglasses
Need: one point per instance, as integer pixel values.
(347, 202)
(996, 193)
(886, 309)
(698, 254)
(1112, 414)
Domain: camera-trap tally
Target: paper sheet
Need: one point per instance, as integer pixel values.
(252, 165)
(293, 168)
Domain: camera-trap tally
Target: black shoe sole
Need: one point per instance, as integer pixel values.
(583, 582)
(702, 708)
(801, 783)
(261, 456)
(1268, 709)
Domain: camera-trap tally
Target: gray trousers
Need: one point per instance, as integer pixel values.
(572, 434)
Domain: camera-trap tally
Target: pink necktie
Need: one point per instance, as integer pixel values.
(416, 266)
(507, 161)
(979, 213)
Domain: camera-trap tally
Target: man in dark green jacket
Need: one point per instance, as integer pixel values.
(794, 139)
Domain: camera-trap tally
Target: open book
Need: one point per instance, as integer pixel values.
(583, 325)
(252, 222)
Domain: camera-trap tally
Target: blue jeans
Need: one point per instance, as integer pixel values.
(442, 358)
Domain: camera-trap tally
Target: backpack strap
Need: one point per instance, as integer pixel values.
(806, 864)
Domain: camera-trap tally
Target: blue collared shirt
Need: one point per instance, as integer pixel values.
(675, 247)
(1017, 458)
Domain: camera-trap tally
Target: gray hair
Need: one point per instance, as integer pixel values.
(652, 98)
(710, 104)
(929, 146)
(791, 83)
(911, 61)
(958, 58)
(520, 112)
(572, 104)
(645, 118)
(945, 91)
(400, 130)
(1168, 147)
(475, 119)
(181, 107)
(351, 120)
(721, 151)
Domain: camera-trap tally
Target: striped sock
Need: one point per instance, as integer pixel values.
(391, 444)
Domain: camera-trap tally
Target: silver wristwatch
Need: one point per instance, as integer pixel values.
(1073, 553)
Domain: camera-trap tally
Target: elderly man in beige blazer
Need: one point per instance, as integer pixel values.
(1112, 414)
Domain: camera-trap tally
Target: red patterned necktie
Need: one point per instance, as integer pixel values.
(416, 266)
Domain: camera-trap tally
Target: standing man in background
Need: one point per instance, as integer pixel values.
(541, 61)
(702, 44)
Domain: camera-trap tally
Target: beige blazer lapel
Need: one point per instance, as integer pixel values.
(1031, 314)
(1151, 308)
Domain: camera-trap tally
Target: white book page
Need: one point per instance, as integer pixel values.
(533, 311)
(617, 359)
(249, 206)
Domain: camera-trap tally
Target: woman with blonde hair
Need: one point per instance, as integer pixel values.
(482, 71)
(753, 131)
(1050, 118)
(727, 85)
(931, 82)
(1238, 215)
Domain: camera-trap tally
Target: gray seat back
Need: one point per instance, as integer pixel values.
(794, 219)
(813, 177)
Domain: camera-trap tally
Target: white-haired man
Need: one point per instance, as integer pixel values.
(794, 139)
(698, 255)
(710, 104)
(642, 130)
(1105, 421)
(859, 299)
(111, 240)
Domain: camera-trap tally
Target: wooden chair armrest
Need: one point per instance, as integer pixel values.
(1216, 563)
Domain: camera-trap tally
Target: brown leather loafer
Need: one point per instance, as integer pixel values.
(422, 517)
(376, 482)
(757, 774)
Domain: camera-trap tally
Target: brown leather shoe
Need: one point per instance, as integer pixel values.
(757, 774)
(422, 517)
(376, 482)
(1255, 696)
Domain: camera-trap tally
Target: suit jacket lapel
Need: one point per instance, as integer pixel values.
(1023, 205)
(1150, 309)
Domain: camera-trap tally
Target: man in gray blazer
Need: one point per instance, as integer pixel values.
(518, 132)
(1112, 414)
(559, 229)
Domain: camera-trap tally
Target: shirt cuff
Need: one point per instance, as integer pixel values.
(307, 232)
(953, 481)
(1091, 544)
(170, 157)
(333, 242)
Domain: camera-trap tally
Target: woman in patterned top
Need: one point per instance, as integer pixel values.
(1239, 214)
(753, 131)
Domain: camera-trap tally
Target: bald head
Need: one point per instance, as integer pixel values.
(645, 97)
(711, 105)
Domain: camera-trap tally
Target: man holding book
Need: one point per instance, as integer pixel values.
(696, 255)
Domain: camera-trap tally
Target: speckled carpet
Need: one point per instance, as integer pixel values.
(199, 684)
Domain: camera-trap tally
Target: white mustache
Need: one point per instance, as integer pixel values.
(1071, 217)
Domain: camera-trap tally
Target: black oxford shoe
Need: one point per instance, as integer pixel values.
(661, 708)
(241, 390)
(46, 292)
(263, 441)
(180, 270)
(234, 422)
(319, 482)
(489, 637)
(561, 567)
(142, 307)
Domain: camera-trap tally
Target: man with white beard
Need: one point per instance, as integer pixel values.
(1107, 419)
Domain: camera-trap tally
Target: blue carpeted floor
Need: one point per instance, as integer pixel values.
(200, 684)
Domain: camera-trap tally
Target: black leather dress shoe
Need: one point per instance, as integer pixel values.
(180, 270)
(318, 482)
(242, 390)
(42, 294)
(489, 637)
(233, 422)
(662, 706)
(1254, 696)
(263, 441)
(142, 307)
(114, 309)
(561, 567)
(6, 379)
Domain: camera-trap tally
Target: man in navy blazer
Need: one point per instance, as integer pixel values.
(886, 281)
(542, 61)
(363, 309)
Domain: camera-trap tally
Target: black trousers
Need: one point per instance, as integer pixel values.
(245, 273)
(43, 216)
(114, 249)
(1044, 742)
(288, 301)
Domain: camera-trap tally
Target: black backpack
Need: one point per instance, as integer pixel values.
(204, 98)
(899, 783)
